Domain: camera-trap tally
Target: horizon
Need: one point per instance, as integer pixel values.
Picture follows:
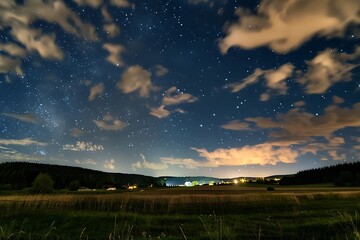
(181, 88)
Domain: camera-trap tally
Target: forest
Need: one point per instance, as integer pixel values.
(345, 174)
(19, 175)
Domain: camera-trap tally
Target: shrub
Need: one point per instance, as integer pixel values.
(43, 183)
(74, 185)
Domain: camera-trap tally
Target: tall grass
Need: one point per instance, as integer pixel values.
(182, 203)
(180, 215)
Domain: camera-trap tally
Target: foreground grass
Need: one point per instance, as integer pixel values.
(182, 214)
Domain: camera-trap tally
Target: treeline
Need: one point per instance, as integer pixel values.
(20, 175)
(346, 174)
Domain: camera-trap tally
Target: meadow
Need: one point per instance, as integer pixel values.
(204, 212)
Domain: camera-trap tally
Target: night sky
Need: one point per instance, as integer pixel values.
(181, 87)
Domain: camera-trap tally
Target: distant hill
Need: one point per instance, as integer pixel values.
(346, 174)
(19, 175)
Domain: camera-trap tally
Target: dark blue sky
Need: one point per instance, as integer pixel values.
(182, 87)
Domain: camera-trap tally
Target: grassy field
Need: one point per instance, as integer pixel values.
(208, 212)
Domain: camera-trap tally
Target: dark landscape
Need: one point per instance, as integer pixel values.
(260, 209)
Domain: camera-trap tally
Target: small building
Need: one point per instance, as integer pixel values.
(188, 184)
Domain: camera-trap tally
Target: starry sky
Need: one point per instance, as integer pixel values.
(180, 87)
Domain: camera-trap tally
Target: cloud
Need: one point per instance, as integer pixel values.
(338, 100)
(112, 30)
(252, 79)
(34, 40)
(285, 25)
(20, 19)
(148, 165)
(121, 3)
(160, 112)
(336, 156)
(336, 141)
(83, 146)
(50, 11)
(106, 15)
(110, 124)
(9, 64)
(91, 3)
(18, 156)
(76, 132)
(85, 162)
(261, 154)
(115, 51)
(21, 142)
(326, 69)
(236, 125)
(95, 91)
(172, 96)
(13, 50)
(136, 79)
(22, 117)
(275, 81)
(297, 124)
(109, 164)
(160, 70)
(299, 104)
(87, 82)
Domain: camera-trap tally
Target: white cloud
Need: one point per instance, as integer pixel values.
(172, 97)
(106, 15)
(148, 165)
(22, 117)
(175, 97)
(34, 40)
(160, 112)
(115, 51)
(336, 156)
(161, 70)
(80, 146)
(110, 123)
(50, 11)
(236, 125)
(13, 49)
(21, 142)
(112, 30)
(91, 3)
(95, 91)
(252, 79)
(136, 79)
(327, 68)
(299, 104)
(338, 100)
(297, 124)
(19, 18)
(275, 81)
(286, 25)
(18, 156)
(121, 3)
(85, 162)
(261, 154)
(109, 164)
(9, 64)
